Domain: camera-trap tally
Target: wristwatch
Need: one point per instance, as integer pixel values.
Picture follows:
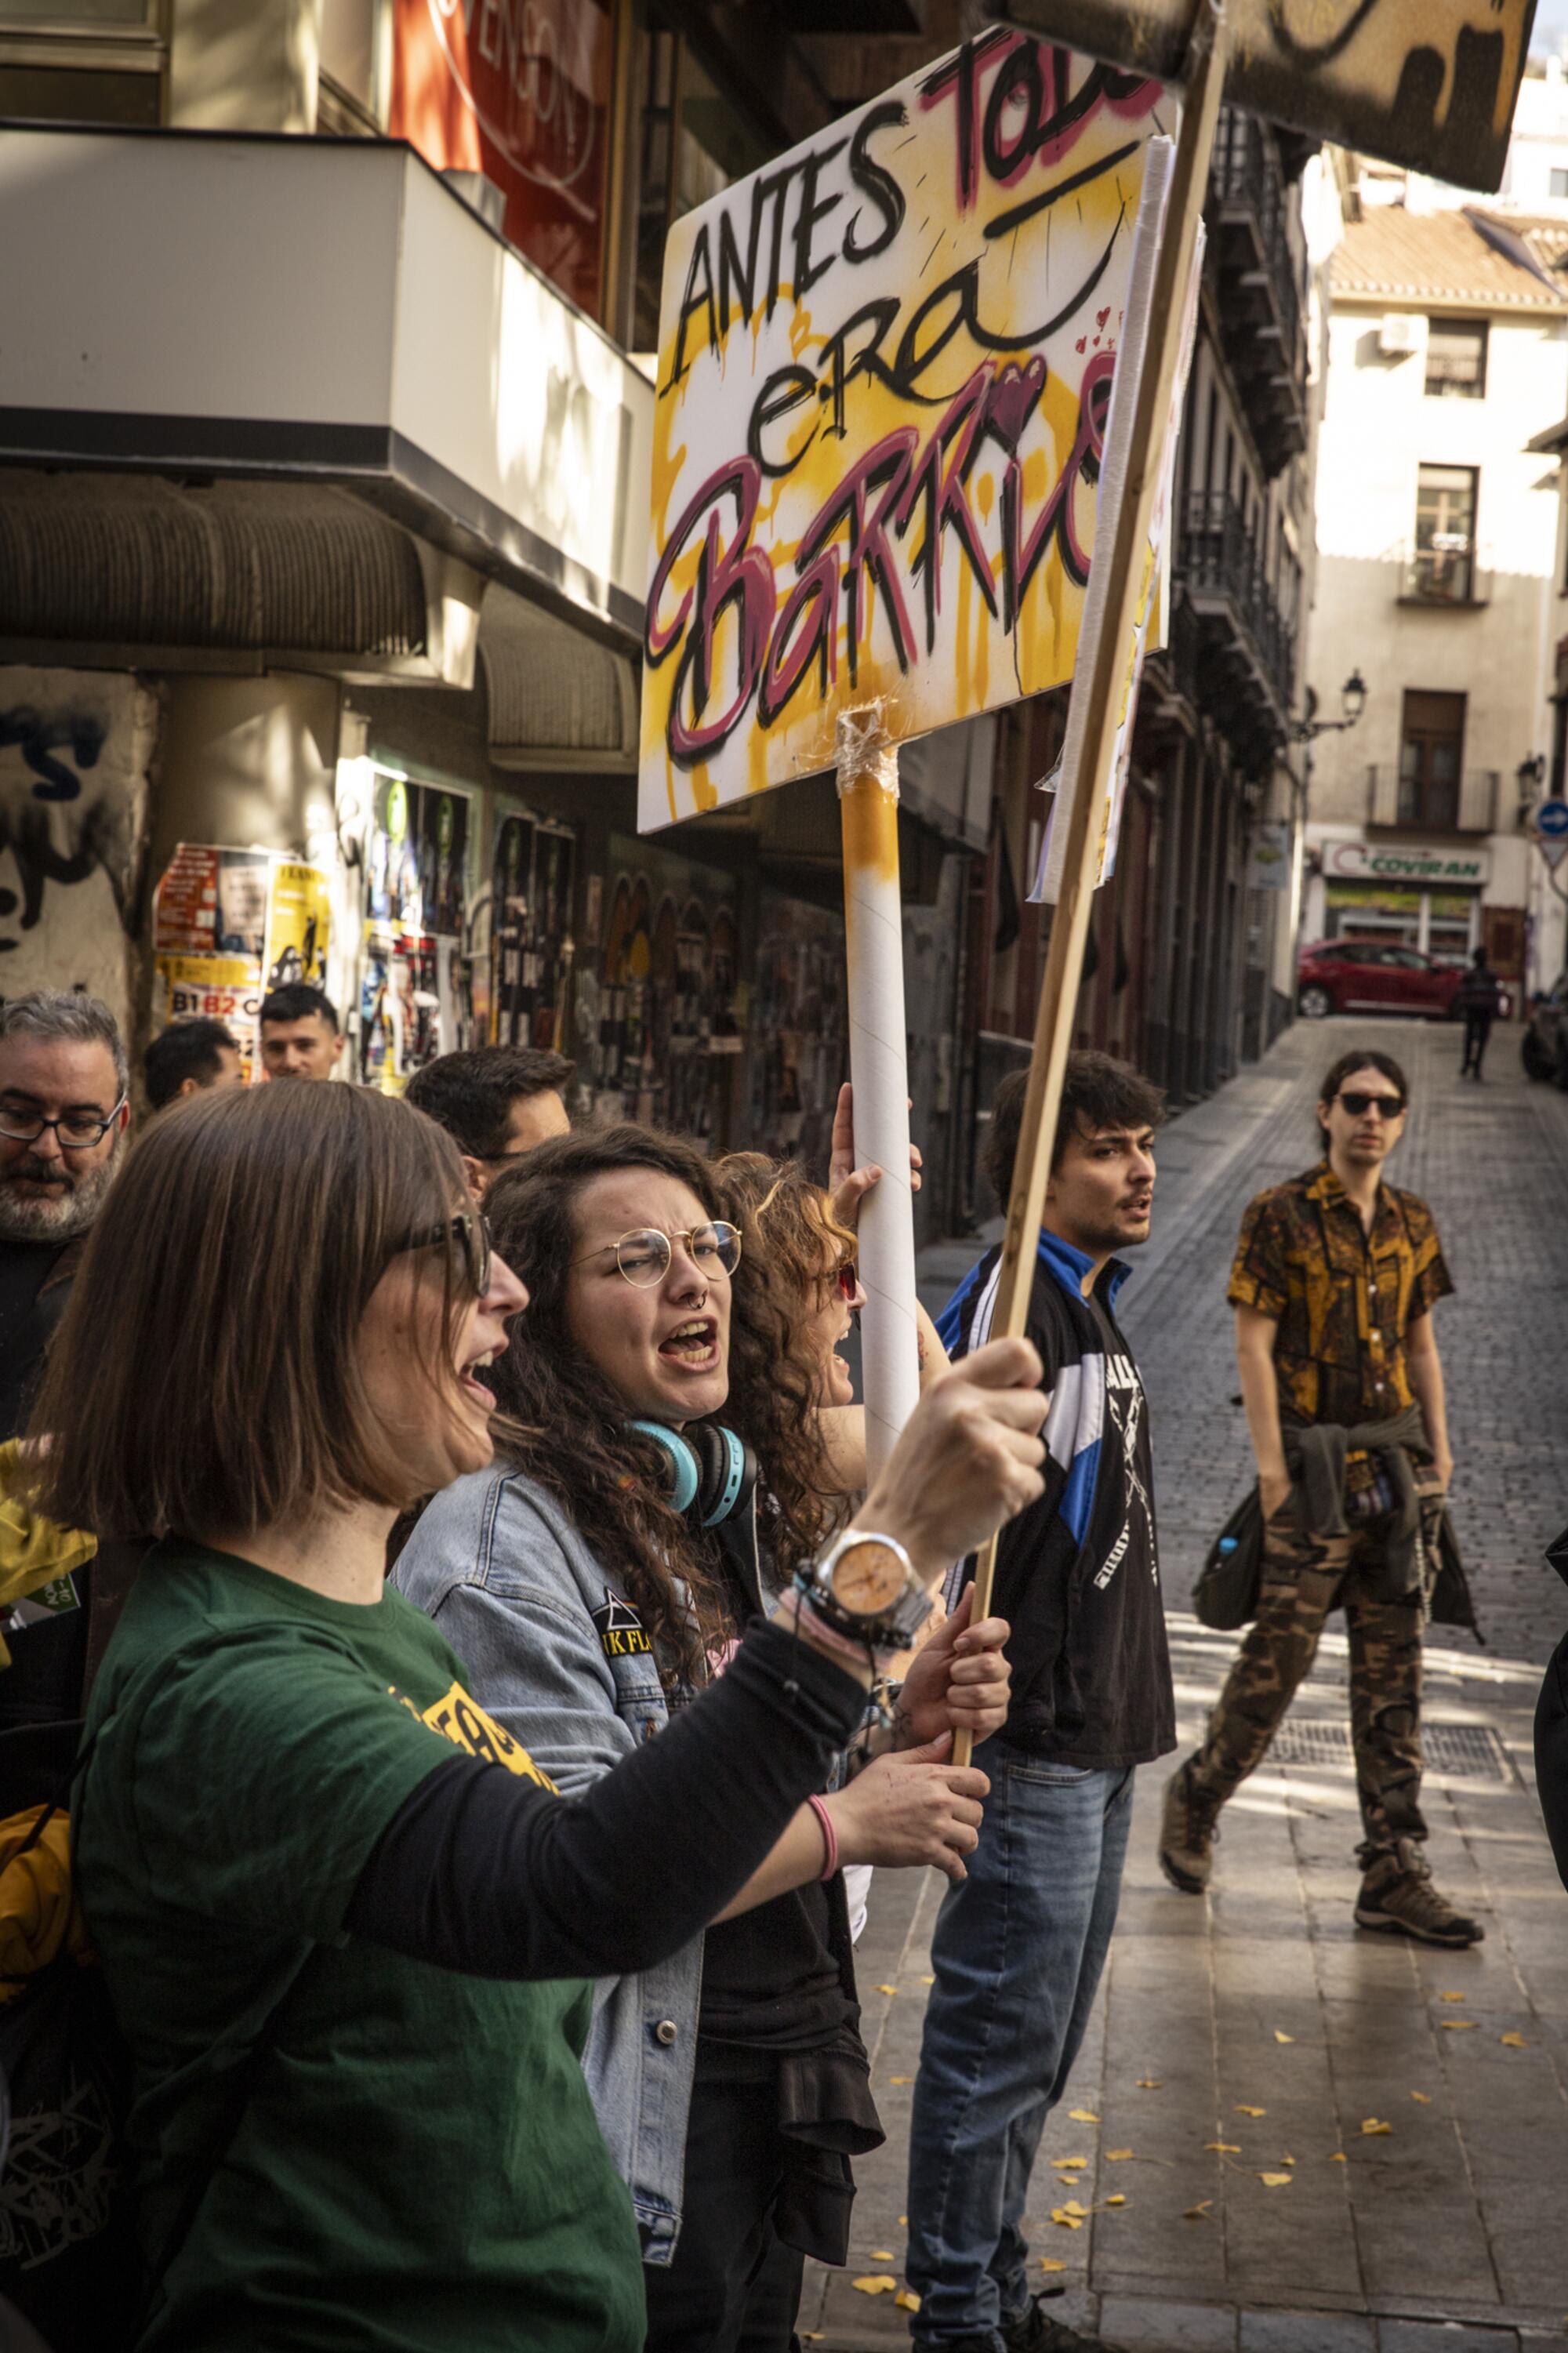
(865, 1587)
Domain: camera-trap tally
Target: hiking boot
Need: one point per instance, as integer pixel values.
(1032, 2333)
(1188, 1831)
(1396, 1893)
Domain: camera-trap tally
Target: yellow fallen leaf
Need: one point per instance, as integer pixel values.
(1425, 2098)
(1151, 2084)
(1514, 2042)
(903, 2222)
(1083, 2115)
(1251, 2112)
(1450, 1997)
(1199, 2212)
(1069, 2164)
(874, 2284)
(928, 1981)
(1068, 2221)
(1116, 2156)
(1338, 2158)
(1287, 2160)
(1275, 2180)
(1118, 2200)
(1225, 2148)
(1458, 2025)
(901, 2079)
(1052, 2264)
(886, 1989)
(812, 2336)
(907, 2300)
(1072, 2207)
(1283, 2038)
(1370, 2126)
(883, 2255)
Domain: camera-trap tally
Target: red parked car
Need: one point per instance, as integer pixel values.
(1376, 977)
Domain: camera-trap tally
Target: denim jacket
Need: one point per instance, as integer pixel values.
(555, 1649)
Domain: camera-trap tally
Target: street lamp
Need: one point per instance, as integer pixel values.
(1353, 702)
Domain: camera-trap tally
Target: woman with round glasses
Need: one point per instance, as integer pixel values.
(316, 1872)
(595, 1580)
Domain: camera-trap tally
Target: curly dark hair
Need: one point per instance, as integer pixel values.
(561, 1421)
(792, 1245)
(1097, 1091)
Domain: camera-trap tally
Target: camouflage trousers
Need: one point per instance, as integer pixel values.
(1304, 1577)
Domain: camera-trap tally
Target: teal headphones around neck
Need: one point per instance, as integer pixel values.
(711, 1472)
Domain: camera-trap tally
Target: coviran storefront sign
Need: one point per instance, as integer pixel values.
(1378, 861)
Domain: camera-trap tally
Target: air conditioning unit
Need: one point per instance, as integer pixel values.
(1396, 335)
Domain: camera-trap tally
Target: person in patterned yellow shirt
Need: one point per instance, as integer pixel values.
(1335, 1278)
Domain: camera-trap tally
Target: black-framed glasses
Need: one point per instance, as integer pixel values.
(1358, 1104)
(644, 1255)
(75, 1131)
(469, 1231)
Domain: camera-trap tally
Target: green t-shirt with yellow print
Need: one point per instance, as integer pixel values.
(419, 2169)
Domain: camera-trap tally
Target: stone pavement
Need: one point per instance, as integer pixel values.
(1448, 2231)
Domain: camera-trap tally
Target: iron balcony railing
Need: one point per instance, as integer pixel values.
(1246, 171)
(1470, 801)
(1219, 556)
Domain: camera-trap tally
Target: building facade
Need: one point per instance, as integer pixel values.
(1436, 535)
(324, 475)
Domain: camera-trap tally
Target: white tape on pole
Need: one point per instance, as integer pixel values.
(890, 1353)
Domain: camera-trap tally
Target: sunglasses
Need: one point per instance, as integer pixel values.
(1359, 1104)
(467, 1231)
(643, 1256)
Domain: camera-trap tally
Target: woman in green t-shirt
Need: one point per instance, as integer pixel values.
(295, 1811)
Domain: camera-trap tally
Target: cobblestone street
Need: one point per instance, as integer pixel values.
(1260, 2019)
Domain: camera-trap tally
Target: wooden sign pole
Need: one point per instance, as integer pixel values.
(1103, 685)
(874, 951)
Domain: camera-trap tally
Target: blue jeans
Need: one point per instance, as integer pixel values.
(1017, 1953)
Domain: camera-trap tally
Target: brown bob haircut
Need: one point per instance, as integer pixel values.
(1098, 1093)
(206, 1376)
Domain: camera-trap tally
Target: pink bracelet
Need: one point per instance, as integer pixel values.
(829, 1836)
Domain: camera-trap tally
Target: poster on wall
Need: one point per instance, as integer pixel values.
(669, 1031)
(878, 436)
(416, 995)
(533, 873)
(298, 926)
(227, 926)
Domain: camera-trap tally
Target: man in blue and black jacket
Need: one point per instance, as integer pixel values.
(1020, 1943)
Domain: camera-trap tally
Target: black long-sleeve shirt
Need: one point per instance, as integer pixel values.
(481, 1871)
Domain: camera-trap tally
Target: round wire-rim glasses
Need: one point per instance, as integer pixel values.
(644, 1255)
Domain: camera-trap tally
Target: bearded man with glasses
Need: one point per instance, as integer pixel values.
(1335, 1278)
(63, 1115)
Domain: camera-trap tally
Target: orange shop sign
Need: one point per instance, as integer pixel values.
(519, 90)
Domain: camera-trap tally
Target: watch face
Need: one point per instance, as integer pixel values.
(868, 1579)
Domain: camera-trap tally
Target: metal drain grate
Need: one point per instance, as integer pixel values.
(1464, 1752)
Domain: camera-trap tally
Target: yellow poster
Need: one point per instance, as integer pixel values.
(299, 921)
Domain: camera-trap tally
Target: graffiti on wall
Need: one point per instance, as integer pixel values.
(74, 751)
(884, 372)
(1431, 87)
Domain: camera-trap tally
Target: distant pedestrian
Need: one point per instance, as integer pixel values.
(301, 1038)
(497, 1102)
(189, 1056)
(1478, 1000)
(1020, 1943)
(1335, 1278)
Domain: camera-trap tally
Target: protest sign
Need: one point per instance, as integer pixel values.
(1428, 83)
(884, 368)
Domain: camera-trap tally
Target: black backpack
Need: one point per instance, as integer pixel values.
(69, 2262)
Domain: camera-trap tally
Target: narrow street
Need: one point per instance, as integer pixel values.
(1234, 2191)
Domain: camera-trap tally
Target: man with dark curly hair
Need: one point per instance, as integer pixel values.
(497, 1102)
